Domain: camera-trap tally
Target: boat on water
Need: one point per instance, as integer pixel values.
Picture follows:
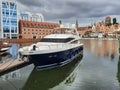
(4, 46)
(55, 49)
(58, 76)
(4, 49)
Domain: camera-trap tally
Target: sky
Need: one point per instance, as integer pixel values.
(86, 12)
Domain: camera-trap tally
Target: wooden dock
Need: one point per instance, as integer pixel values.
(12, 65)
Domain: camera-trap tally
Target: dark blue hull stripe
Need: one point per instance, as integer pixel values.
(55, 59)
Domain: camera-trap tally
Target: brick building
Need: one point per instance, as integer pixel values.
(83, 30)
(30, 29)
(108, 20)
(101, 27)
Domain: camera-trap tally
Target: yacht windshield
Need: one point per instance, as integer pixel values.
(62, 40)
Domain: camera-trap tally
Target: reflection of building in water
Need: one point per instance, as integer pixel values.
(0, 58)
(118, 73)
(102, 47)
(15, 80)
(50, 78)
(70, 79)
(12, 75)
(4, 58)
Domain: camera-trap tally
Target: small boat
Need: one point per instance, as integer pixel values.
(55, 49)
(4, 46)
(4, 49)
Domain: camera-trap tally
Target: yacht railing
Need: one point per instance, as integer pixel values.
(51, 47)
(48, 47)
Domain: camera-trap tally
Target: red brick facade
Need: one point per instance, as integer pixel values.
(101, 27)
(83, 30)
(30, 29)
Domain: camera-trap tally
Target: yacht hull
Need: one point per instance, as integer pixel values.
(55, 58)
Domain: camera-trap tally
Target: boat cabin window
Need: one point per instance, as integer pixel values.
(55, 40)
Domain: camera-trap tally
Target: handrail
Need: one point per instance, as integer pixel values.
(48, 47)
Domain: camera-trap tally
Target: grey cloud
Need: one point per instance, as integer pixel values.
(69, 9)
(30, 3)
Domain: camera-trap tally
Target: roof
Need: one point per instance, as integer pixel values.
(34, 24)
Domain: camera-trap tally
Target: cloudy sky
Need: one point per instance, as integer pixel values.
(86, 11)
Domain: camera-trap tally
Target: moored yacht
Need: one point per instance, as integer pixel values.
(56, 49)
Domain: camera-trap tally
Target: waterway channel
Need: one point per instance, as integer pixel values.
(97, 69)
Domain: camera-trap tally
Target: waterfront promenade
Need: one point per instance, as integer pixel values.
(101, 38)
(19, 41)
(12, 65)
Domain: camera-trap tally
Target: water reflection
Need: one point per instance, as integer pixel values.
(5, 57)
(46, 79)
(112, 56)
(15, 80)
(99, 70)
(102, 47)
(118, 73)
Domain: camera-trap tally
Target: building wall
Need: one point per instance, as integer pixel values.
(107, 30)
(9, 19)
(108, 20)
(30, 29)
(83, 30)
(37, 17)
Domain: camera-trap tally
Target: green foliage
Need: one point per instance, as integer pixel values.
(114, 21)
(108, 24)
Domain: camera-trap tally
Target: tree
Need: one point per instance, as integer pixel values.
(114, 21)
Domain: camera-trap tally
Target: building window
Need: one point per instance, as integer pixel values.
(27, 25)
(24, 25)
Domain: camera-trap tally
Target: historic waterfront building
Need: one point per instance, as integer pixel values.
(8, 19)
(32, 29)
(83, 30)
(28, 16)
(108, 21)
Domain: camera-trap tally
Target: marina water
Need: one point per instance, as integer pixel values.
(97, 69)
